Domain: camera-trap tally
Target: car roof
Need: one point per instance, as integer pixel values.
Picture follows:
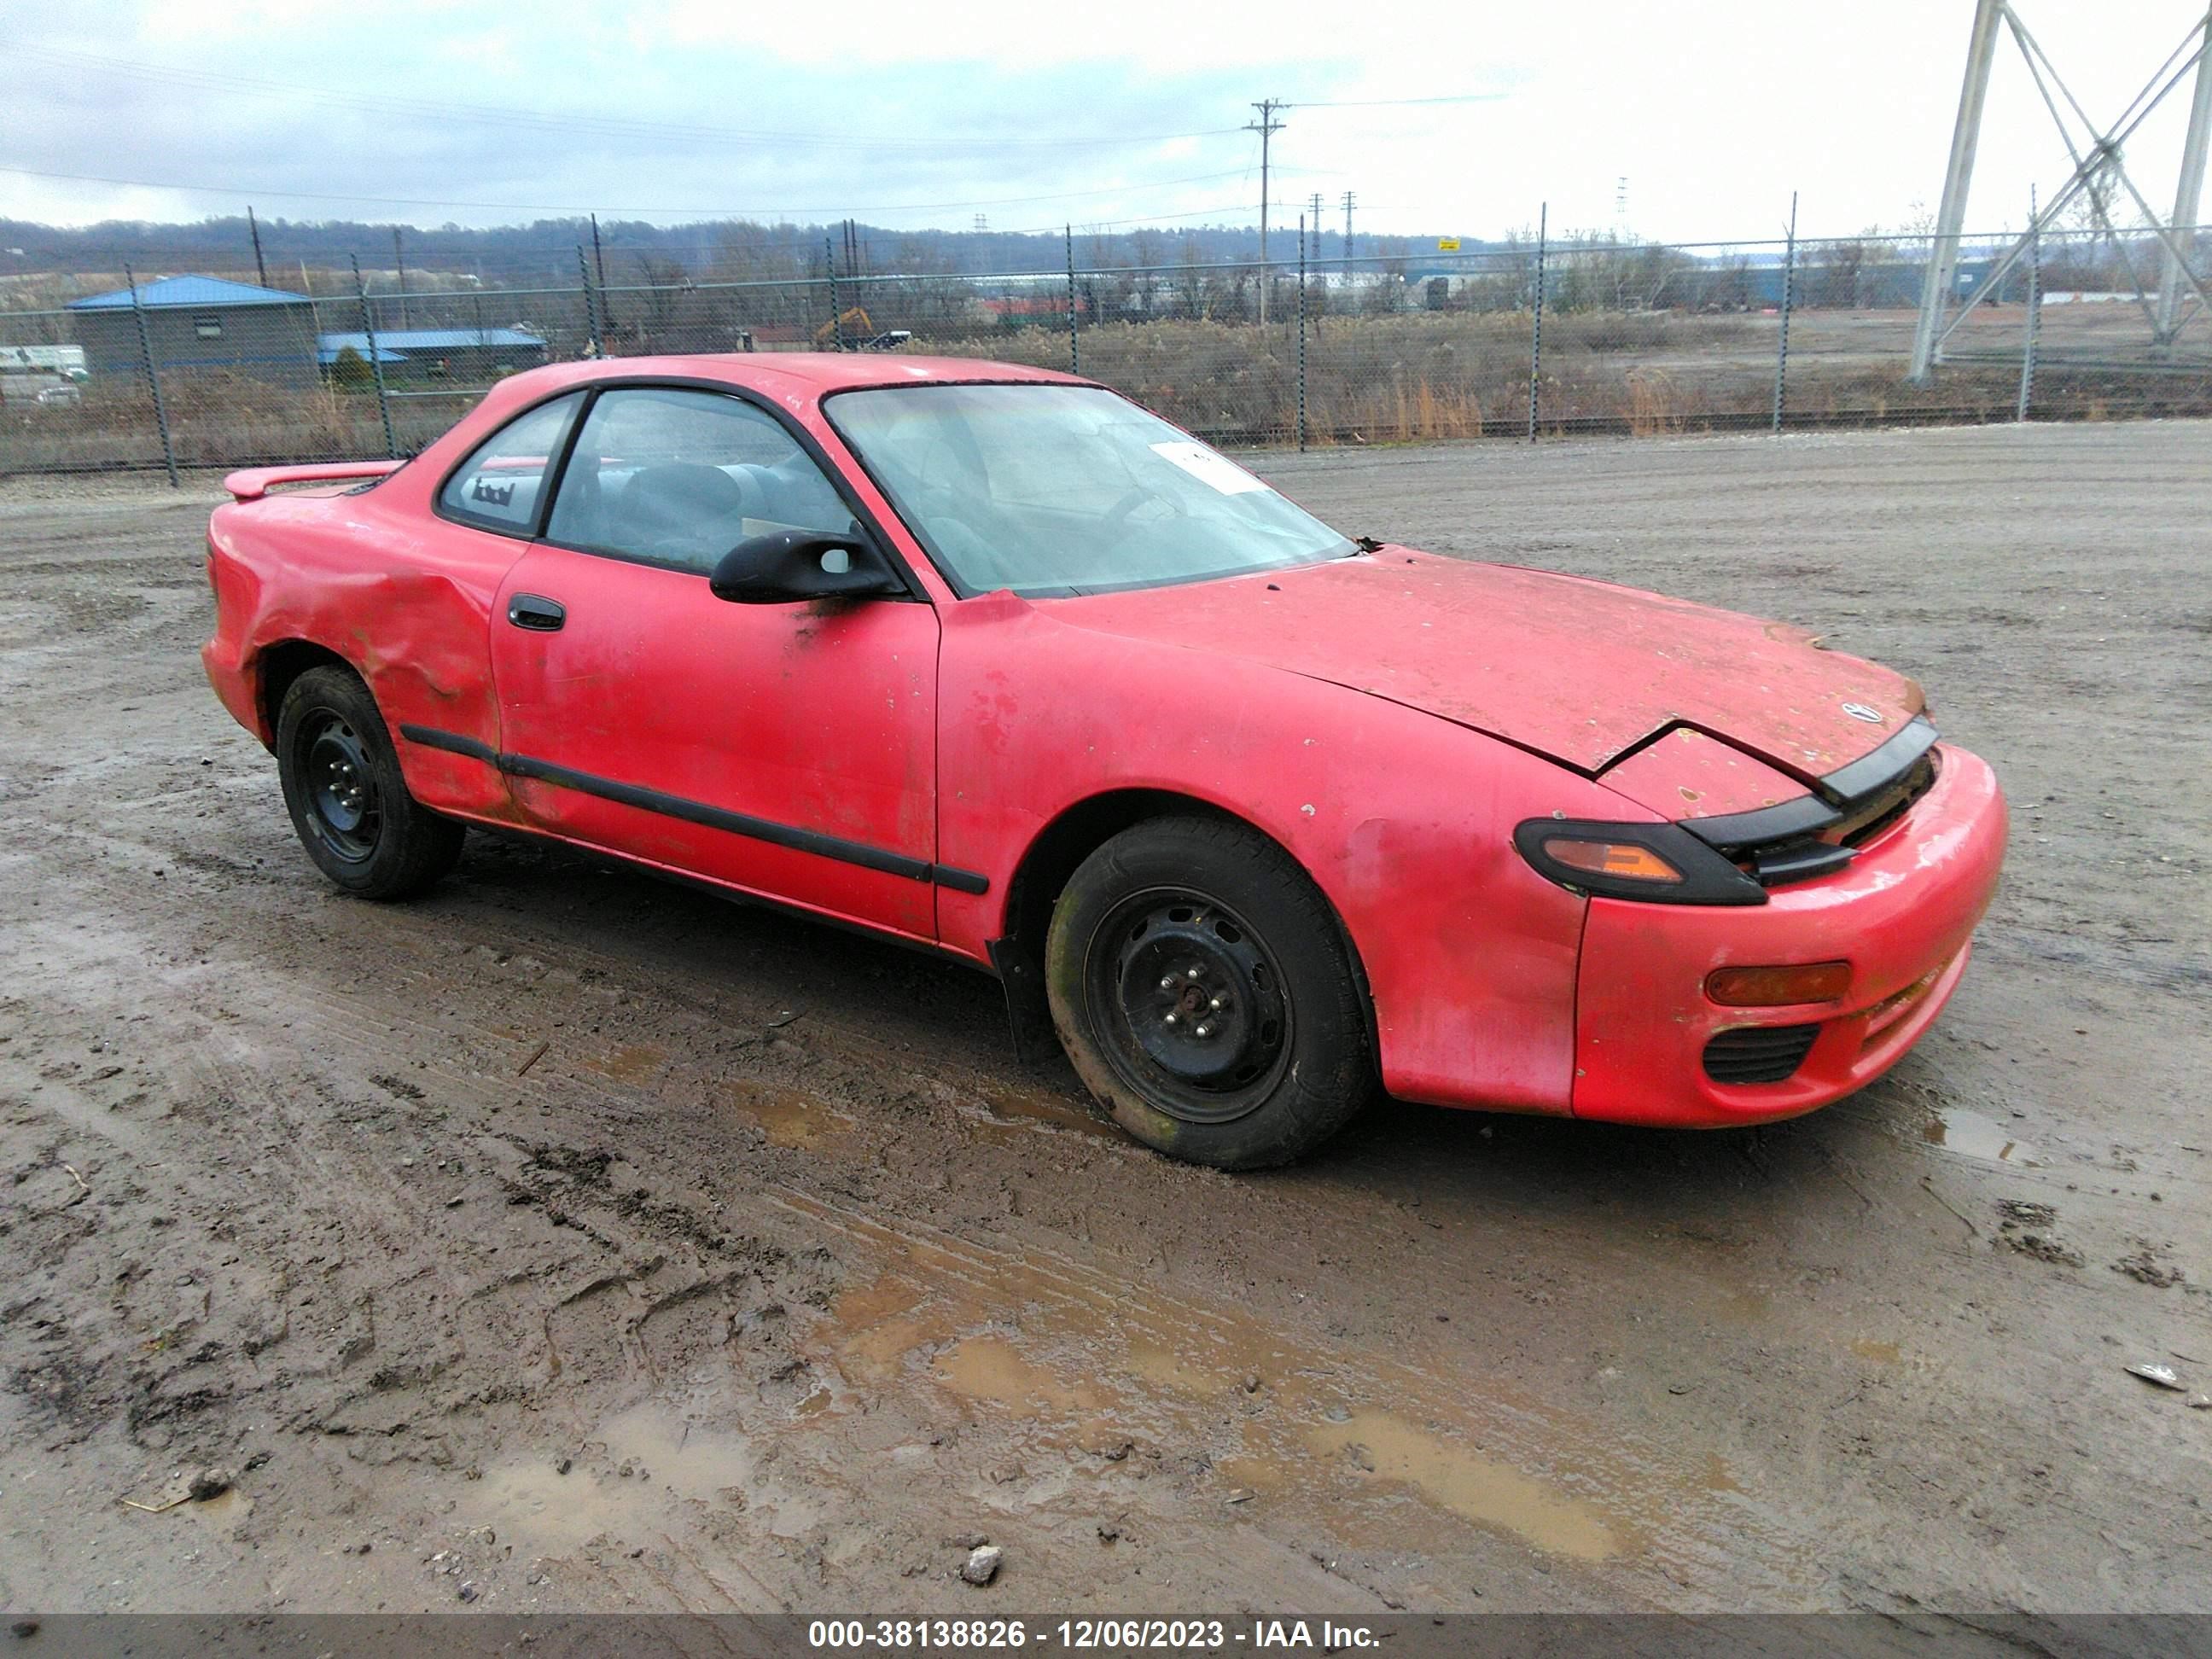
(802, 375)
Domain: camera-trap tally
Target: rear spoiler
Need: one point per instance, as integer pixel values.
(256, 481)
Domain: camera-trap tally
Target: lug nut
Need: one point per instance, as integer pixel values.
(1218, 1003)
(1193, 974)
(1173, 1019)
(1169, 983)
(1204, 1031)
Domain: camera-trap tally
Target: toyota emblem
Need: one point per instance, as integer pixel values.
(1859, 711)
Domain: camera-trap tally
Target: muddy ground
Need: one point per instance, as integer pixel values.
(563, 1240)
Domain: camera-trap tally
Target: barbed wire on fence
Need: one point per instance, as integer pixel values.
(1396, 346)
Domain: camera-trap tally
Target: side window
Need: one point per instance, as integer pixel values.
(497, 487)
(679, 477)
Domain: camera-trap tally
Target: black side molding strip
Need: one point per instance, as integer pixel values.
(452, 742)
(713, 817)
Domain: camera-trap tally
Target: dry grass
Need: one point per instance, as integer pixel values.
(1403, 379)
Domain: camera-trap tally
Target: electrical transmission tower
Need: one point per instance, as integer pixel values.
(1266, 126)
(2099, 177)
(1348, 199)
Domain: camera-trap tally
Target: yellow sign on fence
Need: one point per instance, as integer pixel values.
(1448, 243)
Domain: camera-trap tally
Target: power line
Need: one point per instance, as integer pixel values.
(1399, 103)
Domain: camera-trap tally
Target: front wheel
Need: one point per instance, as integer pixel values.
(1202, 988)
(348, 803)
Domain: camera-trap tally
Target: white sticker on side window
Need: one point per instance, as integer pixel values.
(1208, 468)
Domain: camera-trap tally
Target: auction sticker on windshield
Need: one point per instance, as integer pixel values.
(1208, 468)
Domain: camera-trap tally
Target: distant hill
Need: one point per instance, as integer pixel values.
(545, 252)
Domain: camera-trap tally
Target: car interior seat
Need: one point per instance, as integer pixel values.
(682, 507)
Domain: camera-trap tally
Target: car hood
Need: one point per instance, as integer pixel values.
(1584, 672)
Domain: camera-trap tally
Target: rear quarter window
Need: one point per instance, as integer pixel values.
(498, 487)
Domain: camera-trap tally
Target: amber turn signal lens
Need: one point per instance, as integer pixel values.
(1776, 988)
(1624, 859)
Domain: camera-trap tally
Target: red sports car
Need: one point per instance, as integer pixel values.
(1254, 816)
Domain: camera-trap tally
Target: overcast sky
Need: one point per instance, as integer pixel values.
(1033, 113)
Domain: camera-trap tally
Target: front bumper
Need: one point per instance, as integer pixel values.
(1902, 914)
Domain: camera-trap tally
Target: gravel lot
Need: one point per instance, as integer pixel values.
(563, 1241)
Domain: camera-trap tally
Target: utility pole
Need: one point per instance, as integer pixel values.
(599, 264)
(1266, 126)
(2189, 197)
(1950, 217)
(254, 229)
(399, 267)
(1348, 224)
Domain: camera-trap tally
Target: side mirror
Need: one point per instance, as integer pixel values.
(802, 564)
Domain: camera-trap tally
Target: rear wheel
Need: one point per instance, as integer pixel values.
(1201, 986)
(348, 803)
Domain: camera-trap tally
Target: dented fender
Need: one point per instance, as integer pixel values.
(1404, 821)
(354, 576)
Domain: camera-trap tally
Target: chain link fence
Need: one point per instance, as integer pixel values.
(1525, 339)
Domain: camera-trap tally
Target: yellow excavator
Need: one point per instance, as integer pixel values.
(857, 332)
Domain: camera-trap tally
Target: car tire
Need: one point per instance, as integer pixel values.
(1206, 995)
(349, 806)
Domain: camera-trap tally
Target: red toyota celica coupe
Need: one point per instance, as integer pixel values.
(1253, 818)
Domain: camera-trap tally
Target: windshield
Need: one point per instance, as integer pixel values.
(1050, 489)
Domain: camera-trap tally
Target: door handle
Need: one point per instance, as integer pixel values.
(539, 615)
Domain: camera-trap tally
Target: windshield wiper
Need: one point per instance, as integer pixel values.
(1366, 545)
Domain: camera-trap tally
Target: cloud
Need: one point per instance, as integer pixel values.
(427, 113)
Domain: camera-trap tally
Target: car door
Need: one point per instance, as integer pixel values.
(787, 749)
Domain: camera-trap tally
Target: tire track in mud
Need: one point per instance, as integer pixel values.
(1081, 1354)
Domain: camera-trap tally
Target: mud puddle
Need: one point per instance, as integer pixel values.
(1109, 1381)
(619, 1482)
(1971, 1135)
(790, 1118)
(1010, 1112)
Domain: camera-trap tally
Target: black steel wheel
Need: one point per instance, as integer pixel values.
(344, 810)
(348, 803)
(1206, 995)
(1194, 1008)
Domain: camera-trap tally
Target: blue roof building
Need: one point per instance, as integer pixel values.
(209, 293)
(408, 344)
(199, 323)
(435, 352)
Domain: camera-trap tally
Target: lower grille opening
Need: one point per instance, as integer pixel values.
(1759, 1053)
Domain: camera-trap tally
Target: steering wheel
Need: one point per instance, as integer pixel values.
(1115, 523)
